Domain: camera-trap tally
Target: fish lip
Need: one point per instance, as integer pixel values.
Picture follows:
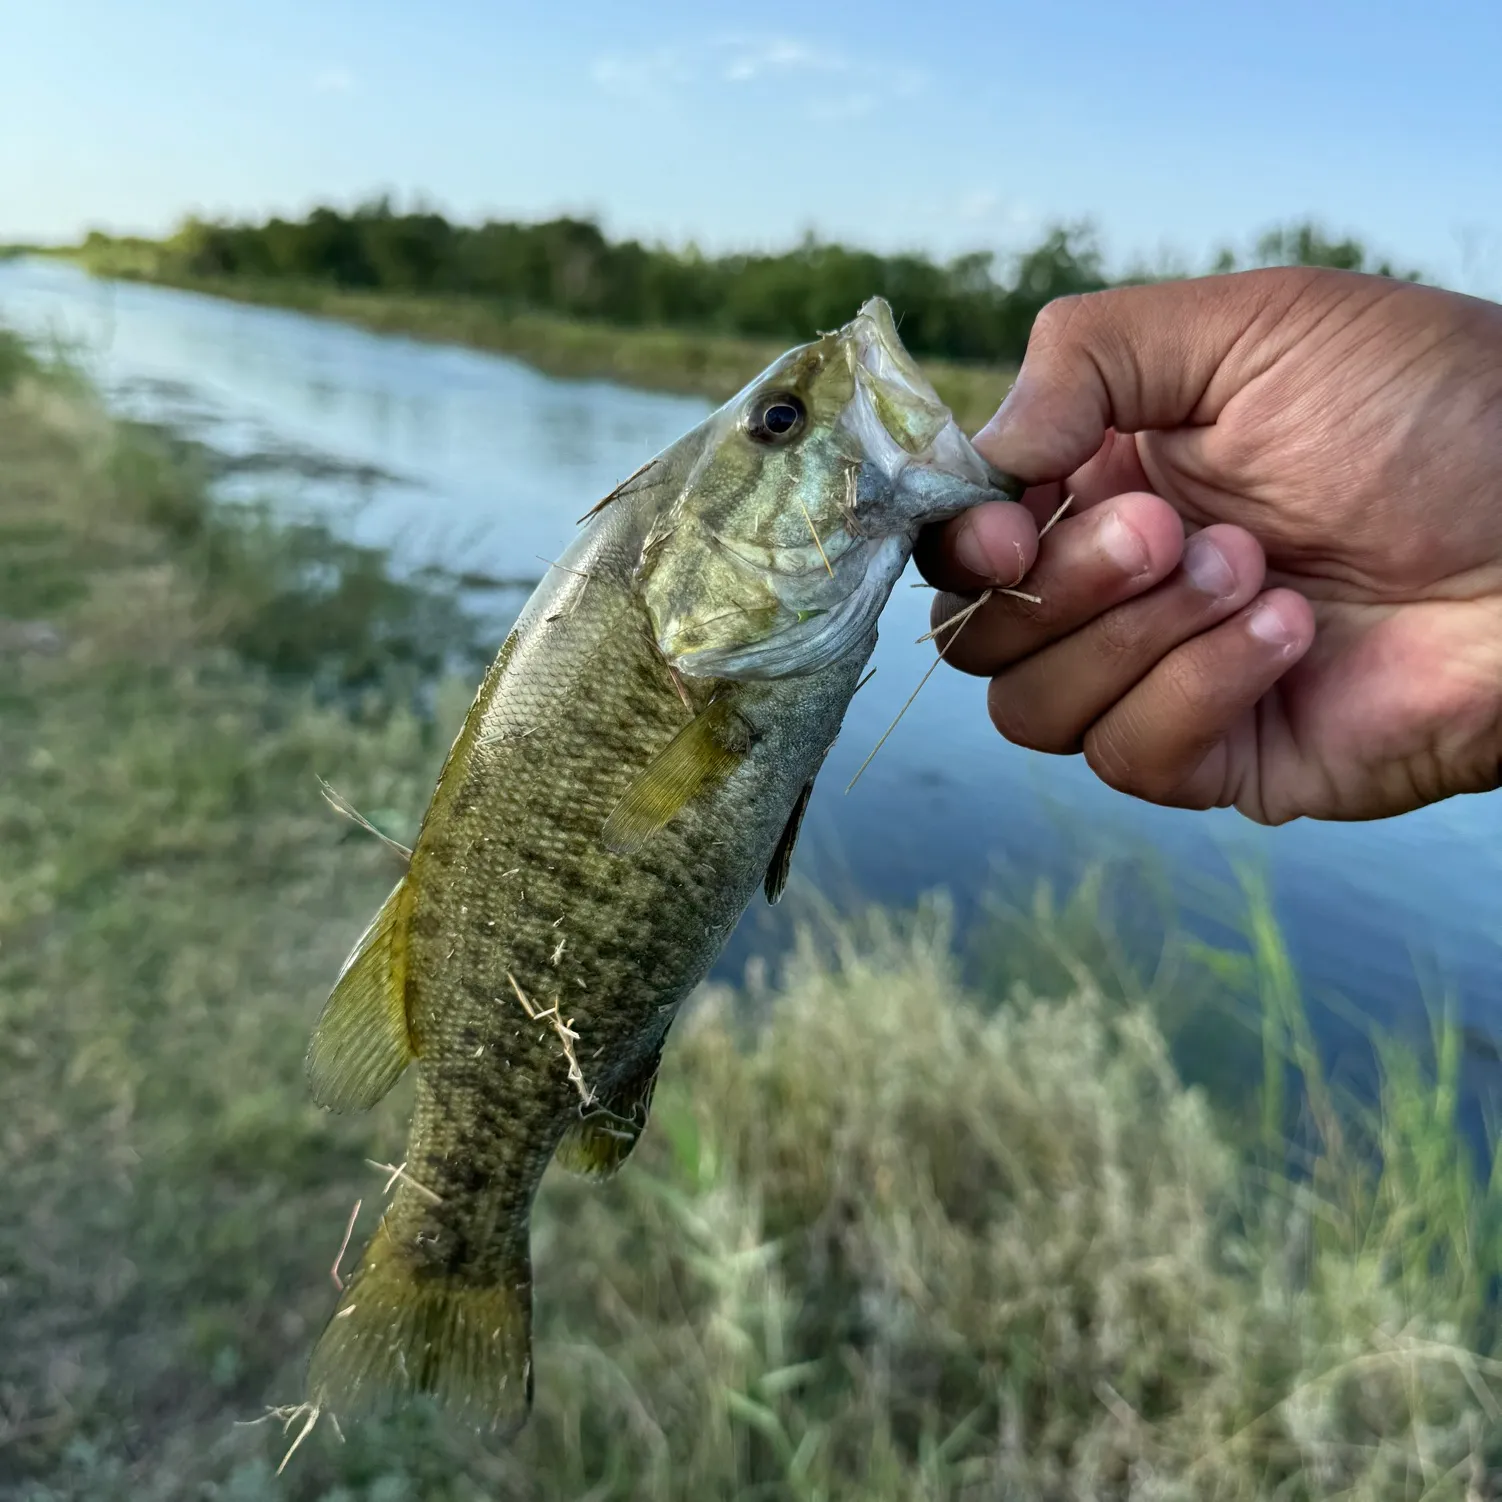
(917, 430)
(882, 352)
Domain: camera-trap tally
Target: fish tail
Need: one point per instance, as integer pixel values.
(402, 1330)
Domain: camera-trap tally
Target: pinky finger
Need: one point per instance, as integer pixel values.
(1185, 735)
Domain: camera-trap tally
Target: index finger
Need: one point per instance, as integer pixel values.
(979, 548)
(996, 543)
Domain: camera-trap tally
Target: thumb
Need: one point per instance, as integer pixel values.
(1133, 358)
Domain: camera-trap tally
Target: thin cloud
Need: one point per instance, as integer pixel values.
(752, 59)
(859, 85)
(643, 77)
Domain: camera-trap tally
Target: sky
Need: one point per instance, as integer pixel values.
(910, 124)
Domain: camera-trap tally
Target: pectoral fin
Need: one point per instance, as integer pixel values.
(361, 1043)
(696, 761)
(602, 1141)
(782, 856)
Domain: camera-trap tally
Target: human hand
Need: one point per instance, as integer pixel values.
(1328, 641)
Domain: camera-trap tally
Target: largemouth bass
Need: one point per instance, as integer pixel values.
(636, 762)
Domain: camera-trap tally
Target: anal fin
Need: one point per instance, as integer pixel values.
(361, 1044)
(597, 1145)
(782, 857)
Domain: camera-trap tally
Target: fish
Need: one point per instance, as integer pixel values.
(636, 763)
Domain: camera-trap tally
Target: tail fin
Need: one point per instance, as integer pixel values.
(401, 1331)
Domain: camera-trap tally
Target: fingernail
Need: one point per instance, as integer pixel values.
(1124, 547)
(1266, 623)
(1206, 567)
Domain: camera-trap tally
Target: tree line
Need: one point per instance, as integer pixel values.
(972, 307)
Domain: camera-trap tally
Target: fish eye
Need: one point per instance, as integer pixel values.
(775, 417)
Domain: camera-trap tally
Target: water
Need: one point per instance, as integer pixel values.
(480, 463)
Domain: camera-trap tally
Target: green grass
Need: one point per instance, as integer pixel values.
(711, 365)
(891, 1233)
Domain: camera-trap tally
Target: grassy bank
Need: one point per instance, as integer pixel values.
(886, 1235)
(710, 365)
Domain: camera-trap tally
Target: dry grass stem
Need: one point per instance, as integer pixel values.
(959, 618)
(399, 1171)
(1048, 526)
(578, 573)
(312, 1410)
(349, 1231)
(341, 805)
(813, 532)
(567, 1037)
(497, 736)
(959, 626)
(852, 470)
(616, 494)
(677, 678)
(286, 1415)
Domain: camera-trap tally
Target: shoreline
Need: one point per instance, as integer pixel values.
(679, 362)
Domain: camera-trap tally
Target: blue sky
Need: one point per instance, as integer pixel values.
(920, 124)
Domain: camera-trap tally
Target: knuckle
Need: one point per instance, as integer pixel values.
(1117, 634)
(1119, 750)
(1024, 721)
(1187, 686)
(1054, 318)
(972, 650)
(944, 607)
(1109, 753)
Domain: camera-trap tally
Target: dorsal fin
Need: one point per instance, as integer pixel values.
(361, 1043)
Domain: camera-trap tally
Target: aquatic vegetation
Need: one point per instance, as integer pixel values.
(890, 1231)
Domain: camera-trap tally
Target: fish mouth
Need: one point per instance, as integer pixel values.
(899, 420)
